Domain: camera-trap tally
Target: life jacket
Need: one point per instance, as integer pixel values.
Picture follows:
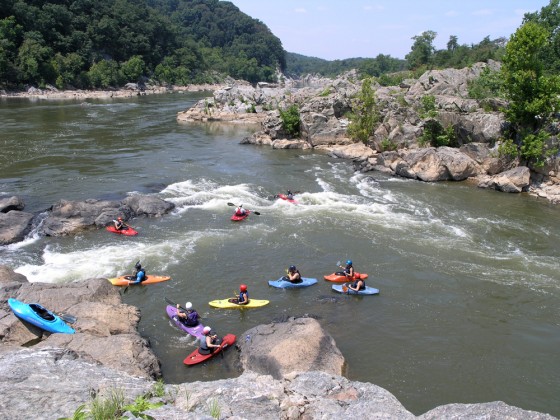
(192, 318)
(298, 280)
(362, 287)
(240, 298)
(347, 269)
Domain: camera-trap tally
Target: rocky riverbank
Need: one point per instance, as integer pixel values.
(47, 376)
(396, 147)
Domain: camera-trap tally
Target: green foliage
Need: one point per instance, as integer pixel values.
(394, 79)
(104, 74)
(387, 145)
(214, 409)
(422, 49)
(435, 135)
(428, 106)
(158, 389)
(533, 95)
(508, 148)
(366, 113)
(291, 120)
(488, 85)
(110, 407)
(80, 414)
(326, 92)
(549, 18)
(133, 69)
(140, 405)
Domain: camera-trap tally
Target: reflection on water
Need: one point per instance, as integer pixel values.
(468, 278)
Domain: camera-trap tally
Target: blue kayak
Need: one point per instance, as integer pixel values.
(285, 284)
(40, 317)
(343, 288)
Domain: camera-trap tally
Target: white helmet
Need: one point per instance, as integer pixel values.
(206, 330)
(188, 305)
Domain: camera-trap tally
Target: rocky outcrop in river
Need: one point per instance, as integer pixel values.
(396, 146)
(47, 376)
(71, 217)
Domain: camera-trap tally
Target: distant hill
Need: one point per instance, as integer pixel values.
(103, 43)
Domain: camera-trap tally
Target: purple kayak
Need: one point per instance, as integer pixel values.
(194, 331)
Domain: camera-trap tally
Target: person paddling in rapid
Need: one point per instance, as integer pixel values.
(120, 224)
(189, 316)
(348, 270)
(139, 274)
(243, 298)
(289, 195)
(293, 275)
(240, 211)
(209, 342)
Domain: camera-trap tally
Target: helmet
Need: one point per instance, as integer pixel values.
(206, 330)
(241, 205)
(138, 266)
(243, 287)
(188, 305)
(349, 262)
(292, 268)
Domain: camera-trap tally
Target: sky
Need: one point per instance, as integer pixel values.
(338, 29)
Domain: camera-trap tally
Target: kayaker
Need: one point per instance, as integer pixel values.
(139, 274)
(240, 211)
(189, 316)
(294, 275)
(357, 285)
(210, 342)
(120, 224)
(243, 298)
(289, 195)
(348, 270)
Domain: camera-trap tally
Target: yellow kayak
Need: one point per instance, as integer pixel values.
(125, 280)
(225, 303)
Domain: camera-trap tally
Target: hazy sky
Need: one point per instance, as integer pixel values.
(337, 29)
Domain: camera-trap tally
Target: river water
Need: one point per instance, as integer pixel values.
(470, 293)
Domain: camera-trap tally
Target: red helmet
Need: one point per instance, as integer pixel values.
(243, 288)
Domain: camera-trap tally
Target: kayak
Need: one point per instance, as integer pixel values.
(127, 231)
(285, 198)
(285, 284)
(342, 288)
(194, 331)
(195, 357)
(236, 218)
(40, 317)
(150, 279)
(341, 278)
(226, 304)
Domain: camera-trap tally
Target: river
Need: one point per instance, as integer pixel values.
(470, 294)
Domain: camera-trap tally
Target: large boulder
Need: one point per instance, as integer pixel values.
(431, 164)
(105, 328)
(148, 205)
(14, 225)
(11, 203)
(298, 345)
(69, 217)
(515, 180)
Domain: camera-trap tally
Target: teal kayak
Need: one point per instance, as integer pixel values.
(342, 288)
(281, 283)
(40, 317)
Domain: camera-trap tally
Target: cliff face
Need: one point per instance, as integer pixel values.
(47, 376)
(396, 147)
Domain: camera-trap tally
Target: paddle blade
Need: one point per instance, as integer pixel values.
(170, 301)
(231, 204)
(257, 213)
(338, 263)
(67, 318)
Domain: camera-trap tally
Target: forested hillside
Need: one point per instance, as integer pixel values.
(102, 43)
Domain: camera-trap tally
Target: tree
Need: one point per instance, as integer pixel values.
(133, 69)
(549, 18)
(533, 96)
(422, 50)
(365, 113)
(453, 43)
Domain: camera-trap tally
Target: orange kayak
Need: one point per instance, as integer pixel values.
(341, 278)
(124, 280)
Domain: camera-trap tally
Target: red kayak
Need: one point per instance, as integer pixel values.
(127, 231)
(195, 357)
(341, 278)
(285, 198)
(237, 218)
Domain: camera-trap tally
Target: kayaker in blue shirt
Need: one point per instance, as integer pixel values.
(139, 274)
(210, 342)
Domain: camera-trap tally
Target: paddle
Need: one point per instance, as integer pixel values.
(174, 304)
(66, 317)
(252, 211)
